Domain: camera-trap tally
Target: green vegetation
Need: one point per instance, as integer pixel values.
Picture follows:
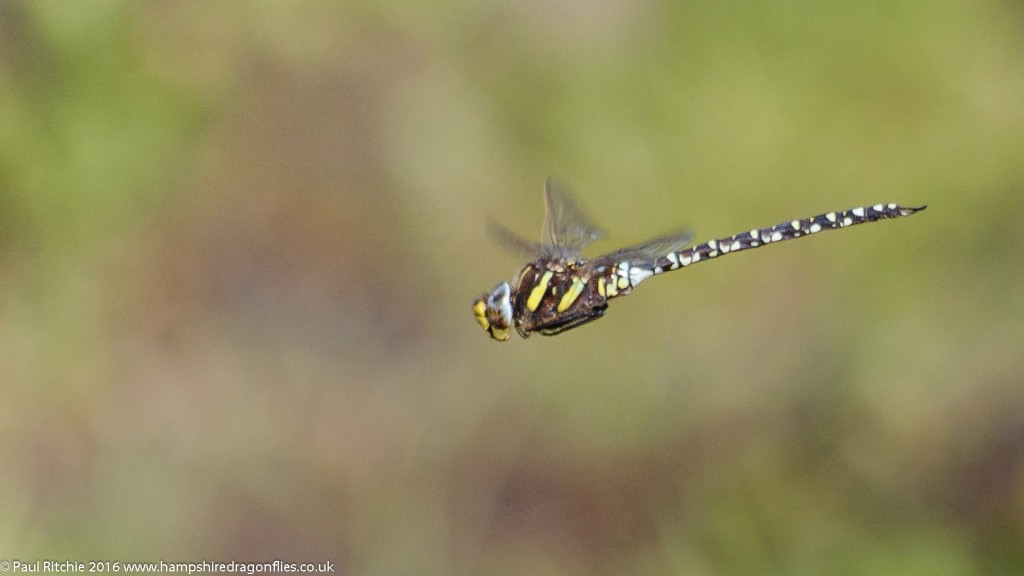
(239, 243)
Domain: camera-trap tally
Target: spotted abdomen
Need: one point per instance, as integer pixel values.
(790, 230)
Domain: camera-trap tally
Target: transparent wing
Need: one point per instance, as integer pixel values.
(565, 224)
(647, 253)
(513, 241)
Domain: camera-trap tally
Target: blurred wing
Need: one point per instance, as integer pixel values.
(512, 241)
(565, 225)
(647, 253)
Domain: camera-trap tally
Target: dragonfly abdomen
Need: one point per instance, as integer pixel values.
(790, 230)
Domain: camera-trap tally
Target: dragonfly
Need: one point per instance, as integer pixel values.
(560, 290)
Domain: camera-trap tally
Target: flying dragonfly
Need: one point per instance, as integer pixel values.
(560, 290)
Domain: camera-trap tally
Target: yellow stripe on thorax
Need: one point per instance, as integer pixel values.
(537, 294)
(571, 294)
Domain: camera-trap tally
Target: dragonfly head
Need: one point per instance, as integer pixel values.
(493, 311)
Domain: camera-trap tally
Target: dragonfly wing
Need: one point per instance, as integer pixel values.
(513, 241)
(647, 253)
(565, 224)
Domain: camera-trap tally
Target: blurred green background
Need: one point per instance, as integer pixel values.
(239, 242)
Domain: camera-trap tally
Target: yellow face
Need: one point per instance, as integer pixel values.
(493, 312)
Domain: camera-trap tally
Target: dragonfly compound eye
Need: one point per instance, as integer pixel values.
(493, 312)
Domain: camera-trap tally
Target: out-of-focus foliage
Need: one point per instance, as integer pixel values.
(239, 241)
